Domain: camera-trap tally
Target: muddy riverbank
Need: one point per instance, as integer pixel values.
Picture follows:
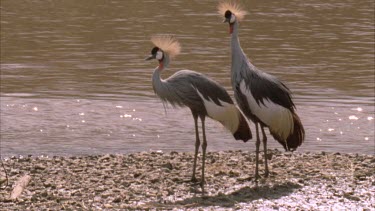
(161, 181)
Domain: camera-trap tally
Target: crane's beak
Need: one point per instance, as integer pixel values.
(226, 20)
(150, 57)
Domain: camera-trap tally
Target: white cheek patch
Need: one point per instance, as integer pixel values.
(232, 18)
(159, 55)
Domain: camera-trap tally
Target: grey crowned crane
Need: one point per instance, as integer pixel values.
(262, 97)
(204, 97)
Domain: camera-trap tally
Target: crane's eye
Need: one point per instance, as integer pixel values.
(159, 55)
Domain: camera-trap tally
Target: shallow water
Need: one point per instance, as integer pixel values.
(74, 79)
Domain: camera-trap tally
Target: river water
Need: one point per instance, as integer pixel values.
(74, 80)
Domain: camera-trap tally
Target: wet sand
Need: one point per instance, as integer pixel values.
(161, 181)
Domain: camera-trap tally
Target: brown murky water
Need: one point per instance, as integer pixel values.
(74, 79)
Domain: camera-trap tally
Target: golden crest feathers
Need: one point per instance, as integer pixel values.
(232, 6)
(167, 43)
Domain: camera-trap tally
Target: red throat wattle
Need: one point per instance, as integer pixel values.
(230, 28)
(160, 64)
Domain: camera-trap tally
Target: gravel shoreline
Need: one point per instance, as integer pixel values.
(160, 181)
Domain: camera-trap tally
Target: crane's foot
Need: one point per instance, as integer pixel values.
(193, 179)
(266, 174)
(257, 176)
(202, 186)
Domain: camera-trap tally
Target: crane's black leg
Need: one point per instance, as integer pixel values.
(265, 152)
(197, 143)
(204, 147)
(257, 144)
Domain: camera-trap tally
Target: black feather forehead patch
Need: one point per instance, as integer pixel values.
(154, 50)
(227, 14)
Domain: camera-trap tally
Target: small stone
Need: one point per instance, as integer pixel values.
(14, 172)
(47, 184)
(100, 189)
(77, 170)
(39, 167)
(97, 199)
(2, 180)
(117, 200)
(106, 195)
(173, 153)
(350, 196)
(176, 179)
(234, 173)
(108, 206)
(33, 198)
(244, 178)
(137, 174)
(94, 180)
(168, 166)
(44, 194)
(104, 158)
(154, 180)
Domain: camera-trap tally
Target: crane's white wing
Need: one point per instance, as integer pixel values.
(278, 118)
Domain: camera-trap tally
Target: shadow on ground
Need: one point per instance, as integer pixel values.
(245, 194)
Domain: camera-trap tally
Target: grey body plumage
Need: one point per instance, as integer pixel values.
(262, 85)
(262, 97)
(180, 89)
(202, 95)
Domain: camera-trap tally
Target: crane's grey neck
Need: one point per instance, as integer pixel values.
(158, 83)
(238, 57)
(235, 42)
(235, 28)
(165, 61)
(237, 53)
(162, 64)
